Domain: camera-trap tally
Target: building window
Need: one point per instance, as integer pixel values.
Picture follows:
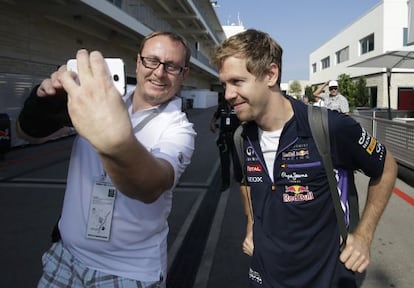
(367, 44)
(342, 55)
(405, 36)
(117, 3)
(314, 68)
(325, 62)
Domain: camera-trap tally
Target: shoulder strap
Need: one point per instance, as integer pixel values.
(238, 143)
(318, 121)
(149, 117)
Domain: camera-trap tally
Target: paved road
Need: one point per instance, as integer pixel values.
(206, 226)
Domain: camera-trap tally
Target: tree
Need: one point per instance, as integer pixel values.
(295, 89)
(361, 96)
(309, 92)
(354, 90)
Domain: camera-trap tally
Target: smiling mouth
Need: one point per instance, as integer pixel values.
(157, 83)
(237, 105)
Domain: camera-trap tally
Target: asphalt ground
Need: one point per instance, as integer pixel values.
(206, 226)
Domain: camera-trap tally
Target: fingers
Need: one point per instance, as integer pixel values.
(52, 85)
(355, 256)
(99, 67)
(92, 68)
(248, 246)
(355, 261)
(68, 82)
(46, 88)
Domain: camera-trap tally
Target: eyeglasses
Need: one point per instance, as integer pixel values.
(154, 63)
(333, 88)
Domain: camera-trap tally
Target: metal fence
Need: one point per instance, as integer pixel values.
(398, 137)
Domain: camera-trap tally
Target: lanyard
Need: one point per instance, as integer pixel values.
(149, 117)
(143, 122)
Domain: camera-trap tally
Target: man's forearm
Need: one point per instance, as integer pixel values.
(247, 203)
(137, 173)
(379, 192)
(319, 90)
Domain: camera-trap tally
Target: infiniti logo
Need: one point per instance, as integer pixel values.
(250, 151)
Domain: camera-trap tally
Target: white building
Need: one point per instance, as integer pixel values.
(233, 29)
(383, 28)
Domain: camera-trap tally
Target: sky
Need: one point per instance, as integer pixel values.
(300, 26)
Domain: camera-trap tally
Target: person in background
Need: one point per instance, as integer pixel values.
(128, 156)
(332, 100)
(305, 99)
(296, 240)
(225, 143)
(319, 101)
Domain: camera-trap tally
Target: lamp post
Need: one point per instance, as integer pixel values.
(389, 91)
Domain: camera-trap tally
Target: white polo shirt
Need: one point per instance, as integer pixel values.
(337, 102)
(137, 247)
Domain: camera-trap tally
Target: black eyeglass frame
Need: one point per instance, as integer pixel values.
(167, 65)
(333, 88)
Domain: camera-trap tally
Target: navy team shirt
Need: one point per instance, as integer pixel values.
(295, 230)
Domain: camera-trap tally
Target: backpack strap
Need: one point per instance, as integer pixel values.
(318, 122)
(238, 144)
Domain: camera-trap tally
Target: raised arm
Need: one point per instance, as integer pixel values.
(99, 115)
(318, 91)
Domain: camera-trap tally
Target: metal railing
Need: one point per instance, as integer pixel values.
(398, 137)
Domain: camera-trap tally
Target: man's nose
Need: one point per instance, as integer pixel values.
(230, 94)
(160, 70)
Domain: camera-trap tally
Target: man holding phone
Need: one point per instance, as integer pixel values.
(128, 156)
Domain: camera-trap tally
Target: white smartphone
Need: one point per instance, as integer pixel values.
(116, 68)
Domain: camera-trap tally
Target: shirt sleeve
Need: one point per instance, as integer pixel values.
(355, 148)
(176, 144)
(41, 116)
(344, 105)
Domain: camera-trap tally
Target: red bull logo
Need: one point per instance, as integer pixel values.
(296, 193)
(4, 134)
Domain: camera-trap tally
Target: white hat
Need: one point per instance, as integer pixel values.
(333, 83)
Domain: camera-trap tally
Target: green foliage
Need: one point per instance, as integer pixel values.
(361, 96)
(354, 90)
(309, 93)
(295, 89)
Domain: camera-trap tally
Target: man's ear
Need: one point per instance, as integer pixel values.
(136, 67)
(272, 75)
(185, 72)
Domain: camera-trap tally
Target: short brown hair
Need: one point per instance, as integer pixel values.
(258, 48)
(174, 37)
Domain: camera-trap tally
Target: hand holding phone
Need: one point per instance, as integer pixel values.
(116, 68)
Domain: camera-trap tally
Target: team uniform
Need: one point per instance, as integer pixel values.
(295, 230)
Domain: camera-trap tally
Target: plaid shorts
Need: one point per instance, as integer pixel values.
(61, 269)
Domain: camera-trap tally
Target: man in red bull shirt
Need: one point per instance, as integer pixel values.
(295, 232)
